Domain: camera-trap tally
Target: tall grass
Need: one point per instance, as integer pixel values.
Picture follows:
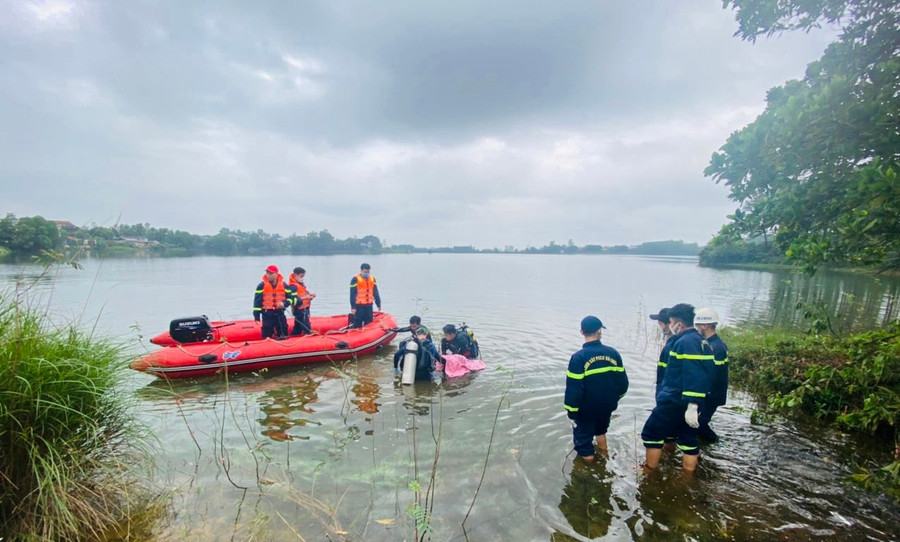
(66, 435)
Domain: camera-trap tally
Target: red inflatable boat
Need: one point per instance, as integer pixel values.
(197, 329)
(183, 357)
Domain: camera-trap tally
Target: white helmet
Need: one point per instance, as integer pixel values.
(706, 315)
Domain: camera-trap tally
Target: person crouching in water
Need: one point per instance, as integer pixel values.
(415, 324)
(595, 381)
(456, 343)
(427, 357)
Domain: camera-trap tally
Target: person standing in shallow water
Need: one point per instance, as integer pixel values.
(705, 322)
(662, 319)
(685, 386)
(595, 381)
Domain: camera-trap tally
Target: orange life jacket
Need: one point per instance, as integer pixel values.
(365, 290)
(273, 296)
(301, 291)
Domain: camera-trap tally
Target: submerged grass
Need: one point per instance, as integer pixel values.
(67, 440)
(852, 382)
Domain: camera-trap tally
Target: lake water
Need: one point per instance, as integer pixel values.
(334, 451)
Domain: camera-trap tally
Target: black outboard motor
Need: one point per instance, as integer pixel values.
(194, 329)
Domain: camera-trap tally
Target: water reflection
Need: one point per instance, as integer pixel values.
(419, 397)
(673, 505)
(367, 391)
(586, 501)
(850, 301)
(287, 409)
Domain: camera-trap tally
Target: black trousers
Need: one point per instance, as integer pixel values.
(364, 315)
(301, 322)
(274, 324)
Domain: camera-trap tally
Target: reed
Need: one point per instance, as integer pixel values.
(67, 440)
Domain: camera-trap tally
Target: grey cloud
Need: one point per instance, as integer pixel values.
(433, 123)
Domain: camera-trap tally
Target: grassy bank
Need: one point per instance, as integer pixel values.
(851, 382)
(67, 440)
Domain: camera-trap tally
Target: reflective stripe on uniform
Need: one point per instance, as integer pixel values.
(696, 357)
(604, 370)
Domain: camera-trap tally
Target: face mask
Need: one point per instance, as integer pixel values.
(675, 328)
(365, 274)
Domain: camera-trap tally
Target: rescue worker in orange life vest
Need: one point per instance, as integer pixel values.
(301, 298)
(363, 293)
(269, 303)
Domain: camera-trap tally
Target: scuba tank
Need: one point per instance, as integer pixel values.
(409, 363)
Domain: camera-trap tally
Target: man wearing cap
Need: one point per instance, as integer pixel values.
(269, 303)
(662, 318)
(705, 322)
(363, 293)
(595, 381)
(684, 387)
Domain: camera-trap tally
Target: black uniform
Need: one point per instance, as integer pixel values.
(595, 381)
(718, 391)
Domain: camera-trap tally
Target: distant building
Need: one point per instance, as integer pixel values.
(64, 226)
(139, 242)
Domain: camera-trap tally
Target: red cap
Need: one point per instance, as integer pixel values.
(271, 269)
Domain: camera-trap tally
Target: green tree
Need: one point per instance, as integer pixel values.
(34, 234)
(321, 242)
(669, 248)
(816, 171)
(223, 243)
(7, 230)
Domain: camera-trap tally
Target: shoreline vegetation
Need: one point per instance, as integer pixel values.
(850, 383)
(71, 450)
(28, 236)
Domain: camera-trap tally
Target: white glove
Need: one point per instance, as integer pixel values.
(691, 414)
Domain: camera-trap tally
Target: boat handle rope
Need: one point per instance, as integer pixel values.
(280, 343)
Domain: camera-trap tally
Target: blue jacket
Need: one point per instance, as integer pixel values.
(595, 381)
(689, 372)
(719, 391)
(663, 362)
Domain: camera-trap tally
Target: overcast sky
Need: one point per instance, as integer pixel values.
(431, 123)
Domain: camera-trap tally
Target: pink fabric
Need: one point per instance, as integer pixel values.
(456, 365)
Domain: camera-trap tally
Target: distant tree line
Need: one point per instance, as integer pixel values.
(33, 235)
(669, 248)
